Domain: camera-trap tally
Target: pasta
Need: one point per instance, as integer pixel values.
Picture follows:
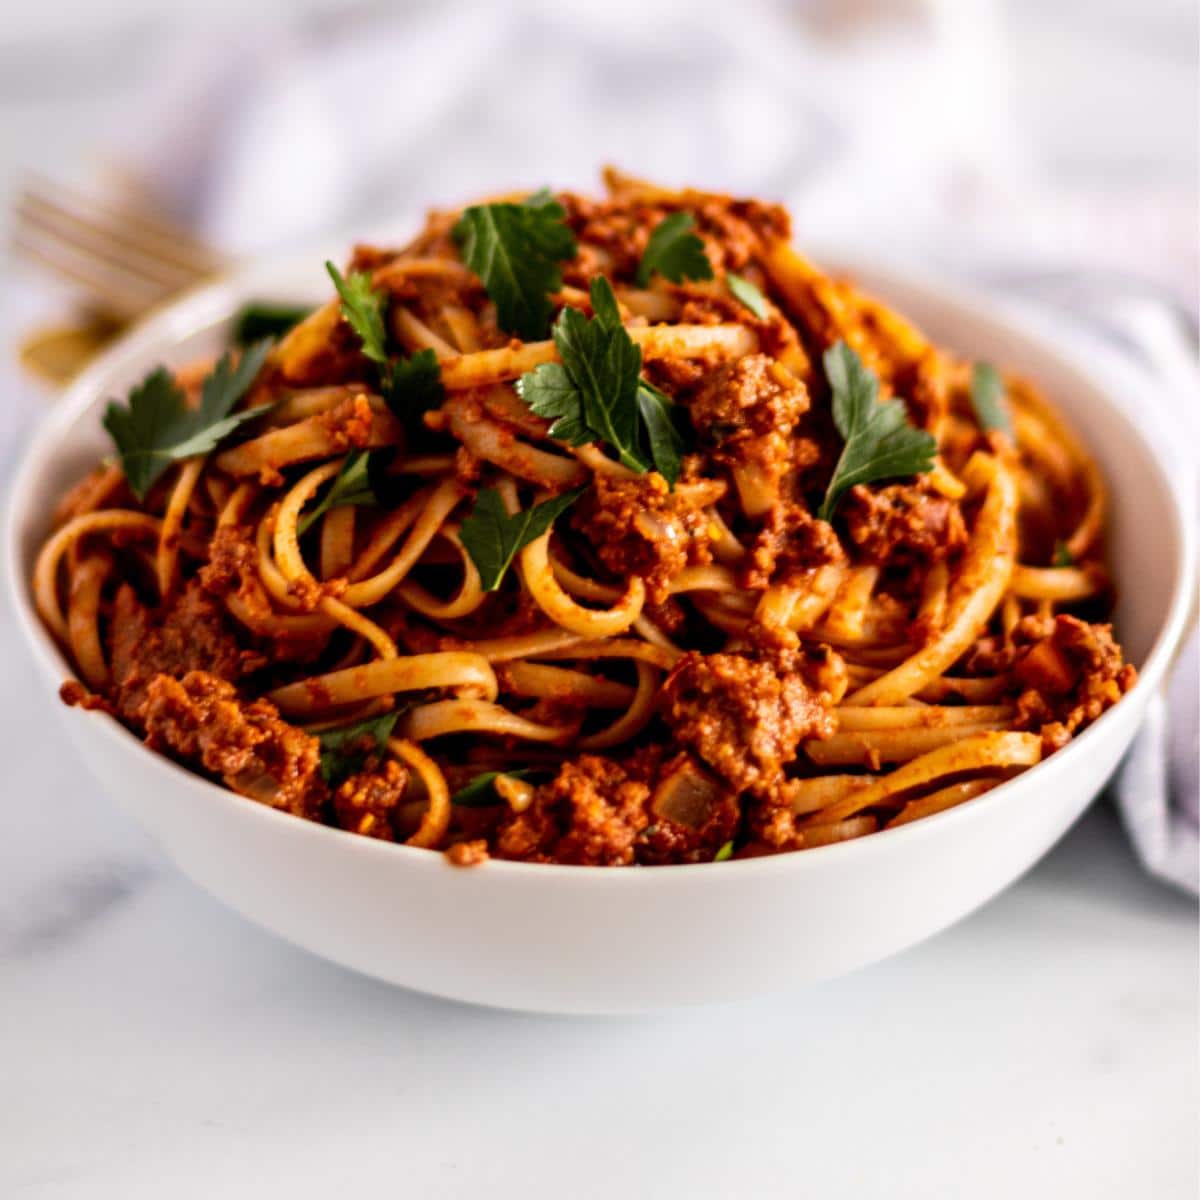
(702, 628)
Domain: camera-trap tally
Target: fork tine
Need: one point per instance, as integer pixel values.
(132, 225)
(109, 244)
(89, 261)
(124, 296)
(119, 198)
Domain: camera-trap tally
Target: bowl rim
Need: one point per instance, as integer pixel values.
(215, 299)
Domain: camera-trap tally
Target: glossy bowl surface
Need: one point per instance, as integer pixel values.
(569, 939)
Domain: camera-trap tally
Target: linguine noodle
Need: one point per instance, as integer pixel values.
(672, 670)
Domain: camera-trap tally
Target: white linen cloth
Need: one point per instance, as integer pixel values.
(890, 132)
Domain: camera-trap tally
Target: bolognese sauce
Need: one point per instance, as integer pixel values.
(600, 531)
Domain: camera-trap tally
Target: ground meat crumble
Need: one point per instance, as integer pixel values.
(590, 814)
(744, 717)
(640, 527)
(903, 523)
(200, 719)
(1072, 673)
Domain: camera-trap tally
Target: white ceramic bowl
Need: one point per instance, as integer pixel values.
(570, 939)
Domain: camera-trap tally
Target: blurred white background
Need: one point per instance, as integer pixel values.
(1046, 150)
(1000, 134)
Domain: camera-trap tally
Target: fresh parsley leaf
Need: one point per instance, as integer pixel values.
(362, 306)
(747, 294)
(725, 852)
(259, 319)
(351, 485)
(415, 386)
(226, 383)
(592, 395)
(1062, 555)
(659, 415)
(345, 751)
(550, 392)
(674, 251)
(410, 386)
(492, 537)
(480, 792)
(364, 479)
(880, 443)
(156, 406)
(158, 427)
(596, 393)
(987, 398)
(515, 250)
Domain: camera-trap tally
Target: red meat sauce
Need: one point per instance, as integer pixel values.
(638, 527)
(175, 677)
(616, 232)
(903, 524)
(179, 675)
(731, 726)
(736, 723)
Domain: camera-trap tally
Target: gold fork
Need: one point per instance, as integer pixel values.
(119, 257)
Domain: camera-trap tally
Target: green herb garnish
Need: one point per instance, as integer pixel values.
(596, 393)
(158, 427)
(364, 480)
(747, 294)
(660, 417)
(362, 307)
(674, 251)
(415, 386)
(351, 485)
(515, 249)
(987, 399)
(1062, 556)
(725, 852)
(880, 443)
(492, 537)
(480, 792)
(259, 319)
(344, 752)
(591, 395)
(410, 386)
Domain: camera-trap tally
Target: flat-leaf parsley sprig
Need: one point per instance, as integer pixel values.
(660, 420)
(747, 295)
(351, 485)
(987, 399)
(364, 480)
(591, 395)
(345, 751)
(264, 319)
(493, 537)
(596, 392)
(674, 252)
(410, 386)
(516, 249)
(880, 443)
(158, 426)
